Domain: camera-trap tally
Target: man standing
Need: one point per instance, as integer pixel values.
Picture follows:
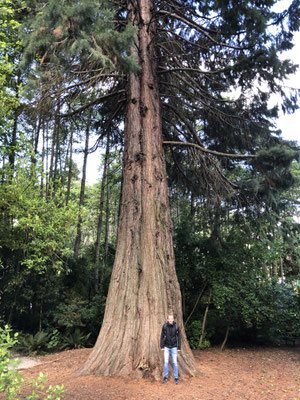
(170, 342)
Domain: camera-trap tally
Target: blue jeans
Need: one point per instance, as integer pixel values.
(173, 351)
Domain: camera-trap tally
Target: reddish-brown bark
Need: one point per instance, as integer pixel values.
(144, 288)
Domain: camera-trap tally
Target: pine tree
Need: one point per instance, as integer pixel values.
(170, 70)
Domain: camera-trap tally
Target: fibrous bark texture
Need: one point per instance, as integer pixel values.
(144, 288)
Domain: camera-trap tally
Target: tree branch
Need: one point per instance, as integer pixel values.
(204, 150)
(199, 29)
(97, 101)
(193, 70)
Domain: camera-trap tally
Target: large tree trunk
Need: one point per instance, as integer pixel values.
(144, 288)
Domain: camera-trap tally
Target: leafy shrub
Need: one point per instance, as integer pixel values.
(280, 316)
(33, 344)
(37, 385)
(55, 339)
(76, 312)
(11, 381)
(75, 340)
(194, 333)
(205, 344)
(70, 314)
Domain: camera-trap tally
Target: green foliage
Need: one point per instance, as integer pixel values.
(278, 313)
(237, 258)
(33, 344)
(36, 234)
(37, 385)
(70, 315)
(193, 332)
(75, 340)
(82, 31)
(10, 380)
(9, 52)
(40, 226)
(54, 340)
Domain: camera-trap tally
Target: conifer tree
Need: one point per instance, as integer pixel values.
(171, 70)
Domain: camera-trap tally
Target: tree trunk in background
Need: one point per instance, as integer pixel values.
(195, 305)
(70, 168)
(57, 146)
(50, 183)
(100, 219)
(13, 143)
(281, 269)
(227, 333)
(82, 189)
(43, 159)
(266, 270)
(36, 140)
(47, 160)
(106, 221)
(63, 182)
(192, 210)
(120, 202)
(41, 316)
(144, 288)
(275, 269)
(205, 318)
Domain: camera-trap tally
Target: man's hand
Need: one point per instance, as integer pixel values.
(178, 350)
(162, 349)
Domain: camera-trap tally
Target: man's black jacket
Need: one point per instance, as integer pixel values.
(170, 336)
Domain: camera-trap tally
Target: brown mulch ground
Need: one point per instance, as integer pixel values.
(244, 374)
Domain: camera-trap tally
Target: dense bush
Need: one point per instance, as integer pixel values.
(11, 381)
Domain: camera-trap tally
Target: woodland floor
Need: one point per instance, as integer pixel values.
(244, 374)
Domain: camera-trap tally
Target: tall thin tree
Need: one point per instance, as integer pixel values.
(82, 187)
(97, 270)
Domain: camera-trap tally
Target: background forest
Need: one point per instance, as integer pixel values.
(236, 244)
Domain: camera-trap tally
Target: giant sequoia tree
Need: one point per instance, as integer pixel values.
(167, 69)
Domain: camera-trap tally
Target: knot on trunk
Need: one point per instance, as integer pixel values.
(143, 109)
(134, 178)
(145, 369)
(140, 157)
(144, 366)
(158, 175)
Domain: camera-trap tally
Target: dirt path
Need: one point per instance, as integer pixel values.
(236, 374)
(24, 362)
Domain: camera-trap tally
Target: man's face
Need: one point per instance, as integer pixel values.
(171, 319)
